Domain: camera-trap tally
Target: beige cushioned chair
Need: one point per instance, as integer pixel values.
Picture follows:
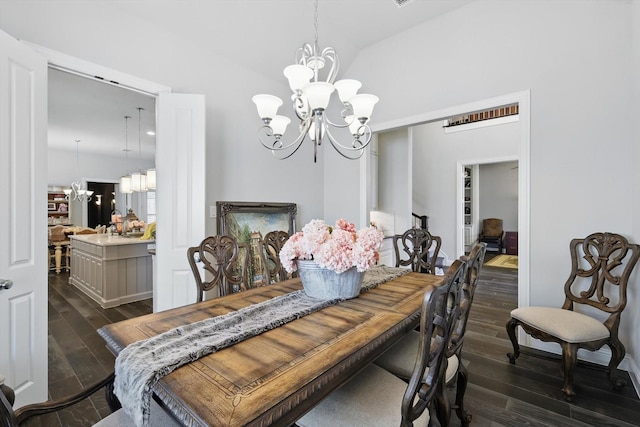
(375, 397)
(601, 265)
(399, 360)
(118, 418)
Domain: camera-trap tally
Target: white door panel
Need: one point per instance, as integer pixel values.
(180, 165)
(23, 221)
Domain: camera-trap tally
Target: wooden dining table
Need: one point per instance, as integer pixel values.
(276, 377)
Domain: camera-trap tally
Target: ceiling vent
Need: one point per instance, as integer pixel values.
(401, 3)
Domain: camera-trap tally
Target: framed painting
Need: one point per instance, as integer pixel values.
(51, 206)
(248, 222)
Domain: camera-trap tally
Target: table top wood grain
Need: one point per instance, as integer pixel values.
(275, 377)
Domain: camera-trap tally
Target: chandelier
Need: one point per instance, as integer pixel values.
(125, 181)
(78, 190)
(139, 179)
(311, 96)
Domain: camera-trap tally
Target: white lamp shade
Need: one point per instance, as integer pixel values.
(354, 124)
(298, 76)
(67, 191)
(125, 184)
(151, 179)
(135, 181)
(267, 105)
(318, 94)
(363, 105)
(347, 88)
(279, 124)
(89, 193)
(138, 181)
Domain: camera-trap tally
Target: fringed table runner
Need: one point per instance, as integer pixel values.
(140, 365)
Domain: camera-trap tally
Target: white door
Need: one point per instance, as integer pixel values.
(180, 198)
(23, 220)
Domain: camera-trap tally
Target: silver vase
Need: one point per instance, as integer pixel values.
(322, 283)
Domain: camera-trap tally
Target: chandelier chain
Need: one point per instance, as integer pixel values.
(315, 23)
(139, 142)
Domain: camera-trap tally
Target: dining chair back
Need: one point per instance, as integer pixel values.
(85, 230)
(413, 248)
(270, 247)
(596, 289)
(26, 415)
(399, 359)
(225, 263)
(474, 262)
(375, 397)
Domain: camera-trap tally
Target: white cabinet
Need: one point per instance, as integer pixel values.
(468, 196)
(470, 205)
(112, 270)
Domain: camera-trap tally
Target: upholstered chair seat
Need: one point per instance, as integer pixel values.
(371, 398)
(569, 326)
(375, 397)
(158, 418)
(601, 265)
(400, 359)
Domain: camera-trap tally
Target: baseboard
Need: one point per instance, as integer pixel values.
(634, 373)
(600, 357)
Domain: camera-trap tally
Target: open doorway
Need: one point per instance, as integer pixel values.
(490, 190)
(442, 166)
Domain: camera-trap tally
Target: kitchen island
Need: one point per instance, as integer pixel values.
(112, 270)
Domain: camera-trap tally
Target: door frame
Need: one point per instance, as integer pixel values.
(523, 99)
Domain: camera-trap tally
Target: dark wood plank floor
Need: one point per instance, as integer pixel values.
(499, 394)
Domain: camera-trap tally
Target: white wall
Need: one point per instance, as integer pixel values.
(498, 193)
(238, 168)
(576, 59)
(435, 156)
(394, 179)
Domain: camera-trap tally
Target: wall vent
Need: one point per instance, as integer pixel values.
(401, 3)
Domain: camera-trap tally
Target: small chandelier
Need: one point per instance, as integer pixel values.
(139, 179)
(310, 99)
(78, 190)
(125, 181)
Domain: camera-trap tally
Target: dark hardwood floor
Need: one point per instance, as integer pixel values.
(499, 394)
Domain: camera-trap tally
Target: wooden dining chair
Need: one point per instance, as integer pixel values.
(375, 397)
(412, 249)
(601, 264)
(224, 260)
(85, 230)
(118, 418)
(399, 359)
(57, 235)
(270, 247)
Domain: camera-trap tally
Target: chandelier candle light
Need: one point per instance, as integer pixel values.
(310, 99)
(78, 190)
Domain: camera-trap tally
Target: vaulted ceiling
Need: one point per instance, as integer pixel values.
(93, 112)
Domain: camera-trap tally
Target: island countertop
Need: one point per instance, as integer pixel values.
(107, 240)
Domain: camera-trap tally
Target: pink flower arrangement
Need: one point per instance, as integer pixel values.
(336, 248)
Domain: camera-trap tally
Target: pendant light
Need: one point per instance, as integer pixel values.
(125, 181)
